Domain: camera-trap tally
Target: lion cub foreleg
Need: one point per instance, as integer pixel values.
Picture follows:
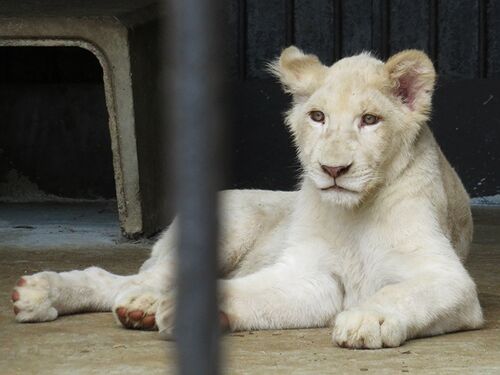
(439, 297)
(289, 294)
(284, 295)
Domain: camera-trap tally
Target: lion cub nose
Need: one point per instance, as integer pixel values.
(335, 171)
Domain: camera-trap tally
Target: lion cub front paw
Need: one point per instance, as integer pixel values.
(166, 317)
(365, 329)
(33, 298)
(136, 308)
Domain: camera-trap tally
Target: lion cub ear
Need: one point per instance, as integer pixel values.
(300, 74)
(413, 76)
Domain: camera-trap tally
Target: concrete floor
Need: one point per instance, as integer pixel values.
(94, 344)
(60, 225)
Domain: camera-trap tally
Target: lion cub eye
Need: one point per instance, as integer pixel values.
(317, 116)
(370, 119)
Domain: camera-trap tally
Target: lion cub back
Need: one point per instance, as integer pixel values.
(456, 219)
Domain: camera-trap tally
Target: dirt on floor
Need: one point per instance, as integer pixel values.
(95, 344)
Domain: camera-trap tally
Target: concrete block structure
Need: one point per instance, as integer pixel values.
(123, 36)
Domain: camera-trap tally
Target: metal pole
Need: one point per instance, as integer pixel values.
(195, 93)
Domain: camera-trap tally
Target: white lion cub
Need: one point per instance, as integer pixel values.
(372, 243)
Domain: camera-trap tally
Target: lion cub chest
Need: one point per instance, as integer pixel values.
(360, 256)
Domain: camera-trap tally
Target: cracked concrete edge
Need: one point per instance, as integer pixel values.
(107, 39)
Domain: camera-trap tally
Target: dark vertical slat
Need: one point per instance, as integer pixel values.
(482, 40)
(386, 27)
(458, 38)
(313, 28)
(380, 27)
(410, 25)
(493, 36)
(195, 91)
(290, 21)
(337, 29)
(434, 31)
(266, 35)
(232, 51)
(356, 26)
(242, 38)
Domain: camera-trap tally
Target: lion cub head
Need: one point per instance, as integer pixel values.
(355, 123)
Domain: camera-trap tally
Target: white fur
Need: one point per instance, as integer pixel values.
(381, 262)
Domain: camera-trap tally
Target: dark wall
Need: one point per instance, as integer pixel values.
(461, 36)
(54, 120)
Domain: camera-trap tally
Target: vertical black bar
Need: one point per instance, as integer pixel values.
(385, 28)
(242, 38)
(458, 48)
(433, 30)
(290, 21)
(493, 34)
(483, 43)
(380, 27)
(196, 101)
(409, 25)
(337, 30)
(314, 28)
(266, 35)
(357, 26)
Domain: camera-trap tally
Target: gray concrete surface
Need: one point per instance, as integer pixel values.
(69, 224)
(94, 344)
